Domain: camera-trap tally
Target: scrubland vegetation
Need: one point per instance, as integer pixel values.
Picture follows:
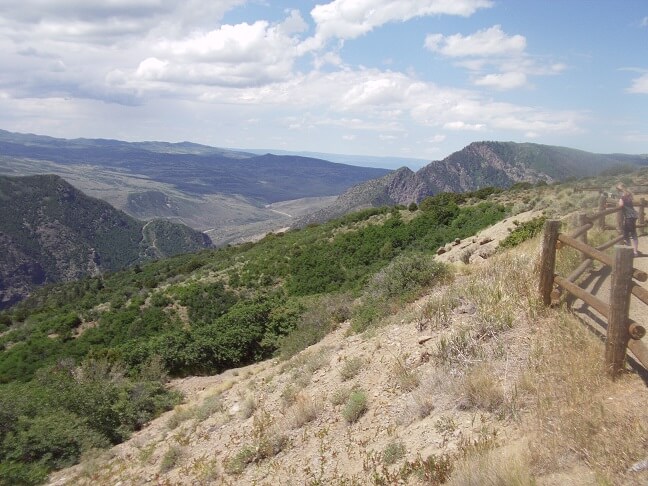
(84, 364)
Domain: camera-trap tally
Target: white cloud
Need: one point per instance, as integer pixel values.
(491, 50)
(639, 85)
(245, 54)
(484, 43)
(459, 125)
(644, 22)
(348, 19)
(502, 81)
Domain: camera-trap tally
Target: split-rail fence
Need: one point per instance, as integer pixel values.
(621, 331)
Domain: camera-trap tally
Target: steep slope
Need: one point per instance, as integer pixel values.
(471, 384)
(51, 232)
(400, 187)
(480, 164)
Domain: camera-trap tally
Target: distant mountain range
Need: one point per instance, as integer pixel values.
(51, 232)
(228, 194)
(480, 164)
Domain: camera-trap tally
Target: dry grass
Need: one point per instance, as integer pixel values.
(580, 415)
(503, 467)
(304, 410)
(405, 378)
(480, 389)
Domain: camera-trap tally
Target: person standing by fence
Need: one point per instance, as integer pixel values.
(629, 218)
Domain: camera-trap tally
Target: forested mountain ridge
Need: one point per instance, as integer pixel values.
(51, 232)
(478, 165)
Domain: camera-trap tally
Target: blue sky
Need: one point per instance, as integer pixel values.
(406, 78)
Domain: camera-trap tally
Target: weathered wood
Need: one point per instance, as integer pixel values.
(597, 255)
(611, 243)
(604, 212)
(582, 222)
(618, 334)
(599, 217)
(582, 229)
(578, 271)
(640, 292)
(548, 260)
(636, 331)
(640, 351)
(594, 302)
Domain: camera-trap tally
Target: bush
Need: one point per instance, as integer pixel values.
(523, 232)
(351, 367)
(54, 440)
(355, 407)
(394, 452)
(170, 459)
(320, 317)
(406, 275)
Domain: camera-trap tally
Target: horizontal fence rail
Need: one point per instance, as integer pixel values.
(622, 333)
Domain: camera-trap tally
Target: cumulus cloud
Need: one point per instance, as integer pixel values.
(348, 19)
(502, 81)
(489, 42)
(232, 55)
(492, 49)
(179, 54)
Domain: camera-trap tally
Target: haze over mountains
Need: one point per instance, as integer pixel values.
(228, 194)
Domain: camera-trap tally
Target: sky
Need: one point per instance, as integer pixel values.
(406, 78)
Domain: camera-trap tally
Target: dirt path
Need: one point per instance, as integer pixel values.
(598, 283)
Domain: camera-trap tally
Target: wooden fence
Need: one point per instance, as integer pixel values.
(622, 333)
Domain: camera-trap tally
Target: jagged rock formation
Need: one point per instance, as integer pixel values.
(480, 164)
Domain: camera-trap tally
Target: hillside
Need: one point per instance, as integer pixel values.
(479, 165)
(344, 353)
(51, 232)
(470, 383)
(218, 191)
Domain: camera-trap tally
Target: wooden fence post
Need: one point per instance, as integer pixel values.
(581, 220)
(617, 332)
(619, 220)
(548, 260)
(600, 222)
(642, 215)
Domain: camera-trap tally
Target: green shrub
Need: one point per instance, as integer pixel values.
(355, 407)
(19, 473)
(523, 232)
(237, 464)
(320, 317)
(170, 459)
(406, 275)
(351, 368)
(55, 440)
(394, 452)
